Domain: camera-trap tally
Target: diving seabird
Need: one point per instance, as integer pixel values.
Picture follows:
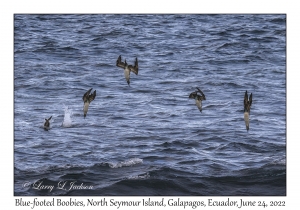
(198, 98)
(128, 68)
(87, 99)
(47, 123)
(247, 105)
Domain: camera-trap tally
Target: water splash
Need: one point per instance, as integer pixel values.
(67, 117)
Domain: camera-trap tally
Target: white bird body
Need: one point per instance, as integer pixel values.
(127, 74)
(199, 104)
(86, 108)
(246, 118)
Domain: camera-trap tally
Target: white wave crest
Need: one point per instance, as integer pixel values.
(141, 176)
(126, 163)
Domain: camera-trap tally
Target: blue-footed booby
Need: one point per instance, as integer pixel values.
(47, 123)
(128, 68)
(198, 98)
(247, 105)
(87, 99)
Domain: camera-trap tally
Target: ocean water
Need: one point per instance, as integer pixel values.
(149, 138)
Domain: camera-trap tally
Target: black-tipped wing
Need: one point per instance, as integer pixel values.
(119, 62)
(86, 95)
(202, 94)
(49, 118)
(135, 68)
(245, 100)
(136, 64)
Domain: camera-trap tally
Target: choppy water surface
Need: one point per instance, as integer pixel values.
(149, 138)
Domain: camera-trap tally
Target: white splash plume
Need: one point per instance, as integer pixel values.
(67, 117)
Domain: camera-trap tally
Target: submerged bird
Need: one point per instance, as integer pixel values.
(47, 123)
(128, 68)
(247, 105)
(87, 99)
(198, 98)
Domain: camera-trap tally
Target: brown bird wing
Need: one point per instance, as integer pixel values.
(133, 69)
(202, 94)
(92, 96)
(86, 95)
(193, 95)
(245, 100)
(136, 65)
(119, 62)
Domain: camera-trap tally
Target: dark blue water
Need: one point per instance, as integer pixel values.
(149, 138)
